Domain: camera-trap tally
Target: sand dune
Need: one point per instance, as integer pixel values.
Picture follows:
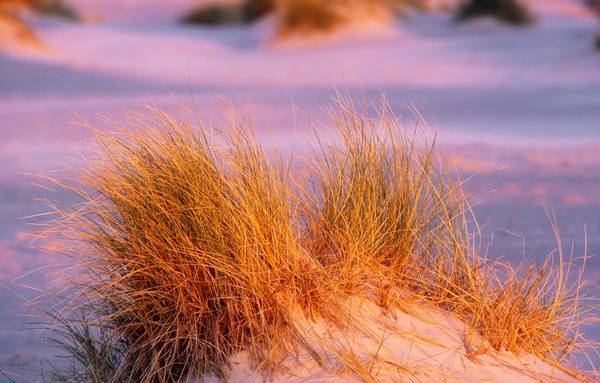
(417, 344)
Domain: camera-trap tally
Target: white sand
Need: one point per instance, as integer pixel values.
(419, 344)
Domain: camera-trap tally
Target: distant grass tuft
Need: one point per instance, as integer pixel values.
(507, 11)
(11, 16)
(54, 8)
(217, 14)
(307, 16)
(197, 246)
(304, 16)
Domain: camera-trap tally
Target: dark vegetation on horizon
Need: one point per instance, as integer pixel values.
(246, 11)
(325, 15)
(507, 11)
(56, 8)
(194, 247)
(595, 6)
(292, 15)
(308, 16)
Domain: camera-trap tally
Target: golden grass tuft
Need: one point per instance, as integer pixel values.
(383, 209)
(314, 16)
(192, 251)
(197, 246)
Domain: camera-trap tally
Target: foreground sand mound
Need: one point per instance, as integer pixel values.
(417, 344)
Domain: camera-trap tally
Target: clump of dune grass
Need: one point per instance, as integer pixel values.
(196, 246)
(378, 199)
(507, 11)
(190, 252)
(382, 208)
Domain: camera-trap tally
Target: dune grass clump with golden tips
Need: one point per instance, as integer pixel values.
(198, 246)
(383, 209)
(191, 251)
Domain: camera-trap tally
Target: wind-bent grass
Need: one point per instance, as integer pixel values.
(382, 209)
(191, 252)
(379, 200)
(196, 247)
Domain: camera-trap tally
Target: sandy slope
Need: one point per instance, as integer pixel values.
(418, 344)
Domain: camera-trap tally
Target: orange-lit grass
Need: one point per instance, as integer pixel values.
(190, 249)
(382, 209)
(197, 246)
(310, 16)
(301, 16)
